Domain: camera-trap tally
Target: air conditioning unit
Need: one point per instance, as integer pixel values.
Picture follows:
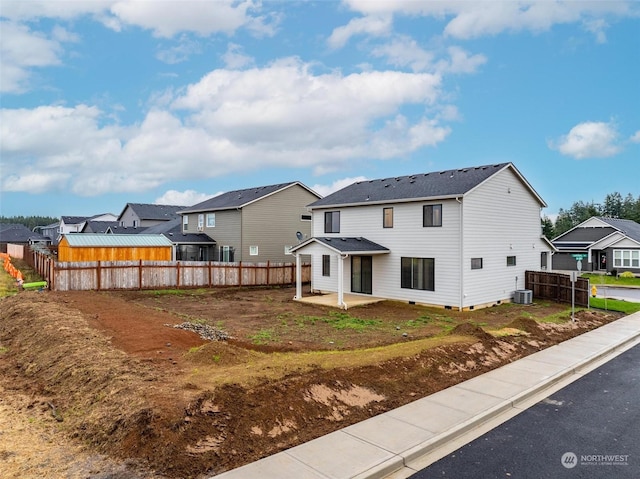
(523, 296)
(200, 228)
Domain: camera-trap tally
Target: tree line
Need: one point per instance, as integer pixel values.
(613, 206)
(29, 221)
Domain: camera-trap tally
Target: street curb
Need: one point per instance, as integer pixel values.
(456, 432)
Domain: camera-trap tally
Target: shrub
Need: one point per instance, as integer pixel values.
(627, 274)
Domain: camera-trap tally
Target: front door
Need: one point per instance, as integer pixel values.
(361, 274)
(602, 260)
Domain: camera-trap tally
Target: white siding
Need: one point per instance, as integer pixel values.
(407, 238)
(501, 218)
(321, 283)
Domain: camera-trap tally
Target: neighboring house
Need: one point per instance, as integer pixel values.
(142, 215)
(254, 224)
(458, 239)
(91, 226)
(187, 246)
(72, 224)
(19, 234)
(608, 245)
(109, 247)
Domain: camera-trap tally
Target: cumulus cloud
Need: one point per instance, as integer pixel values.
(325, 190)
(635, 138)
(476, 19)
(230, 121)
(180, 51)
(183, 198)
(370, 25)
(589, 140)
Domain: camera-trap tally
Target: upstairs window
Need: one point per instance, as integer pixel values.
(200, 221)
(432, 215)
(185, 222)
(476, 263)
(305, 217)
(332, 222)
(387, 217)
(211, 220)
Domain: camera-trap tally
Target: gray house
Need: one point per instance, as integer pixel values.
(187, 246)
(607, 245)
(458, 238)
(254, 224)
(142, 215)
(12, 233)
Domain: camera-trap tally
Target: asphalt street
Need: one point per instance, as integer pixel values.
(628, 294)
(589, 430)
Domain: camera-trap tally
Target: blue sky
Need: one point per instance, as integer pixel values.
(106, 102)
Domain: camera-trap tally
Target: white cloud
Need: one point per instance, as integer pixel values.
(20, 50)
(635, 138)
(325, 190)
(481, 18)
(589, 140)
(404, 51)
(461, 61)
(370, 25)
(234, 59)
(184, 198)
(179, 52)
(230, 121)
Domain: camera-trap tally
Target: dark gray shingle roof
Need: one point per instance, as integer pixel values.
(586, 235)
(173, 230)
(74, 220)
(18, 233)
(628, 227)
(98, 226)
(238, 198)
(146, 211)
(347, 244)
(438, 184)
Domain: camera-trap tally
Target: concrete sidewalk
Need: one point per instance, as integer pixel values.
(398, 443)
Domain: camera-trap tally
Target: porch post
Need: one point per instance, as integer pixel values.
(298, 278)
(341, 281)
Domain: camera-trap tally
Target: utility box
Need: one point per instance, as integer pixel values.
(523, 296)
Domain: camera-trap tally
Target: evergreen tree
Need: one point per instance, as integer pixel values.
(548, 229)
(29, 221)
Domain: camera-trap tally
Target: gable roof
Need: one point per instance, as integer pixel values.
(99, 239)
(598, 228)
(423, 186)
(147, 211)
(353, 245)
(73, 220)
(240, 198)
(18, 233)
(98, 226)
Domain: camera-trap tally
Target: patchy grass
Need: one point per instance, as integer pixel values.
(264, 336)
(615, 305)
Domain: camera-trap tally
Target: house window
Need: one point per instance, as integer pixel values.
(332, 222)
(305, 217)
(226, 254)
(253, 251)
(476, 263)
(511, 260)
(326, 265)
(432, 215)
(287, 250)
(185, 222)
(417, 273)
(387, 217)
(624, 258)
(135, 223)
(200, 222)
(543, 260)
(211, 220)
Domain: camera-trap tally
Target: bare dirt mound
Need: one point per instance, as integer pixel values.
(116, 377)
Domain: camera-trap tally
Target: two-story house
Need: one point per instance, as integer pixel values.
(254, 224)
(143, 215)
(459, 238)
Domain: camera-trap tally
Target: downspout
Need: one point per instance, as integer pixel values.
(460, 254)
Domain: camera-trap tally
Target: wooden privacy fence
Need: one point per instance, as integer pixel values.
(557, 287)
(112, 275)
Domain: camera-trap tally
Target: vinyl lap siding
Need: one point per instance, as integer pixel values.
(407, 238)
(272, 222)
(225, 233)
(501, 218)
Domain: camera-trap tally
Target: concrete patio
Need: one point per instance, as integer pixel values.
(331, 299)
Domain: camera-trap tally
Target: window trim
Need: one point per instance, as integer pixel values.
(428, 267)
(185, 222)
(326, 265)
(431, 219)
(511, 260)
(332, 221)
(474, 263)
(632, 255)
(304, 217)
(387, 219)
(253, 250)
(200, 221)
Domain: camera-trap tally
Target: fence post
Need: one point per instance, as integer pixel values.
(99, 275)
(140, 274)
(240, 273)
(268, 273)
(178, 274)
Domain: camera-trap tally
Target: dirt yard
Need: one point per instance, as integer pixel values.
(103, 385)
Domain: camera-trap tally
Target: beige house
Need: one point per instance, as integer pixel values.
(254, 224)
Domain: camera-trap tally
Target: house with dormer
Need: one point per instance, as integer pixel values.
(459, 238)
(256, 224)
